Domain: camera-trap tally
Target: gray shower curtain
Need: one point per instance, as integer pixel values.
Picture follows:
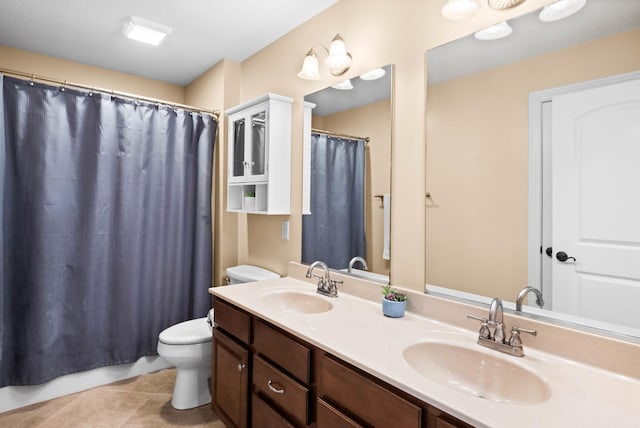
(334, 232)
(106, 227)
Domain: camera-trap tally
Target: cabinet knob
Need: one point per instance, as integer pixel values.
(241, 367)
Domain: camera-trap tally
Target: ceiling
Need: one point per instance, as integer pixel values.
(204, 31)
(530, 37)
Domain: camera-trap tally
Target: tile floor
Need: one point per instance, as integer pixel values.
(140, 402)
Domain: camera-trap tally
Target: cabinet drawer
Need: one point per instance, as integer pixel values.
(371, 402)
(263, 416)
(282, 350)
(232, 320)
(281, 390)
(330, 417)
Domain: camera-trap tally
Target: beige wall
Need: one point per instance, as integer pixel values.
(56, 68)
(219, 88)
(477, 163)
(373, 121)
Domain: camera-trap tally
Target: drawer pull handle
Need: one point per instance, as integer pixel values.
(271, 386)
(241, 367)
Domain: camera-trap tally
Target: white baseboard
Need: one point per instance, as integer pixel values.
(13, 397)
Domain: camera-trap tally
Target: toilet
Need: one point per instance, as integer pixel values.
(187, 346)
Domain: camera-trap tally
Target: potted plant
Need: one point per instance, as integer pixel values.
(249, 200)
(394, 302)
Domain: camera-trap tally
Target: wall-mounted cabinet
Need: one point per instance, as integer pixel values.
(259, 156)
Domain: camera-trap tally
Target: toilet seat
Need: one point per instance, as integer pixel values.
(187, 333)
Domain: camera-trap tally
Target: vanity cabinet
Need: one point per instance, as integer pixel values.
(259, 156)
(279, 380)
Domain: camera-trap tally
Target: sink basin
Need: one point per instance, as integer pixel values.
(293, 301)
(477, 373)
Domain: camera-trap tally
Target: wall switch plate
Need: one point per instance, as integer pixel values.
(285, 230)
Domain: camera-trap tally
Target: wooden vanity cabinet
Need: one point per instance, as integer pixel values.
(265, 377)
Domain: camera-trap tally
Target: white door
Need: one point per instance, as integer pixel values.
(596, 203)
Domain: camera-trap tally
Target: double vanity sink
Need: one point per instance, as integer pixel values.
(492, 377)
(442, 364)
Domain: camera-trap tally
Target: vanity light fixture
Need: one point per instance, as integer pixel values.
(504, 4)
(338, 60)
(344, 85)
(374, 74)
(457, 10)
(560, 10)
(494, 32)
(145, 31)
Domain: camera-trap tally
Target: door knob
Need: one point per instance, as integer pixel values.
(563, 257)
(549, 251)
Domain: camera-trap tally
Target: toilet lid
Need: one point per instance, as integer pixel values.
(187, 333)
(248, 273)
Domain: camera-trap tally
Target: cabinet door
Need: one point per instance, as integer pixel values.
(230, 380)
(249, 145)
(237, 162)
(258, 148)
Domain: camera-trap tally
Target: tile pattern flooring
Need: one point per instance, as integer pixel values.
(143, 401)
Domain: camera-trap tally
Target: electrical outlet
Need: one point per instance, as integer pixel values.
(285, 230)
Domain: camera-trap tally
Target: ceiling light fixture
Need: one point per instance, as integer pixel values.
(494, 32)
(145, 31)
(457, 10)
(338, 60)
(374, 74)
(560, 10)
(344, 85)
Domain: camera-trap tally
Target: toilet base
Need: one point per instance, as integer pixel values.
(192, 387)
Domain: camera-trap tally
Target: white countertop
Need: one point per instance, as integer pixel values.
(356, 331)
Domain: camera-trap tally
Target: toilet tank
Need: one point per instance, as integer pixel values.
(248, 273)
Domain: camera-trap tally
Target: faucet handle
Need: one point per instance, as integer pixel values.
(515, 340)
(484, 332)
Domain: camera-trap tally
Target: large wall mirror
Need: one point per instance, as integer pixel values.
(349, 159)
(524, 147)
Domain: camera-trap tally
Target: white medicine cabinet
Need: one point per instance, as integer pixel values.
(259, 156)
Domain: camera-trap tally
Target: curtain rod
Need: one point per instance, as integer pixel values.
(64, 83)
(335, 134)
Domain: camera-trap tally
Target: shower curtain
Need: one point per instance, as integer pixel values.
(334, 232)
(106, 227)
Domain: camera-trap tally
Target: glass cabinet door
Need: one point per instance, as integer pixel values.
(258, 143)
(239, 163)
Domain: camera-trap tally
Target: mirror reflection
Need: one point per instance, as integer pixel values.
(350, 176)
(522, 167)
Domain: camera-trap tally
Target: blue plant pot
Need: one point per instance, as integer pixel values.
(393, 309)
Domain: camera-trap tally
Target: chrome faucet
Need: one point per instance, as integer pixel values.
(496, 320)
(326, 285)
(495, 340)
(523, 293)
(355, 260)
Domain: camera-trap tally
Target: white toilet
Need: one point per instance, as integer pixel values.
(187, 346)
